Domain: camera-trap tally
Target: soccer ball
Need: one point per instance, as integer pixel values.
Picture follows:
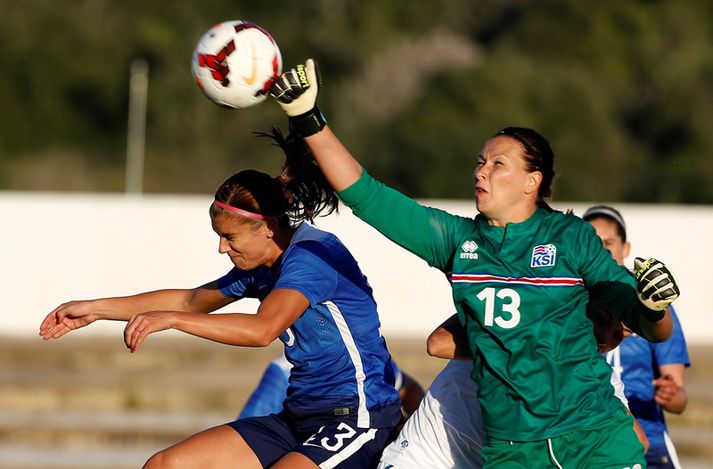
(235, 63)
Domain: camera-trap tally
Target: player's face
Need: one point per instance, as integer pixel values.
(247, 246)
(607, 231)
(502, 181)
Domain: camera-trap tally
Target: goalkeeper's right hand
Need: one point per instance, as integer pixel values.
(296, 93)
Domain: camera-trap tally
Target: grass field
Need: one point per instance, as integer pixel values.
(89, 403)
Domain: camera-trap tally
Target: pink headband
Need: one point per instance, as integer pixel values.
(239, 211)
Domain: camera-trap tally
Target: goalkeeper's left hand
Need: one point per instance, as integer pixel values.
(655, 285)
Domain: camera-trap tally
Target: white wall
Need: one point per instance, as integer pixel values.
(59, 247)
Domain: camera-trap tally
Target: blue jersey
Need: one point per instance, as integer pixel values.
(340, 364)
(270, 393)
(638, 361)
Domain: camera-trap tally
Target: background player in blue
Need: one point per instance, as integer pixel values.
(341, 404)
(269, 395)
(653, 373)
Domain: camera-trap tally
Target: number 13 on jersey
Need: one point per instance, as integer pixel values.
(507, 315)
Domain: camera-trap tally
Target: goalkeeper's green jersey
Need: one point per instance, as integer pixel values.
(521, 293)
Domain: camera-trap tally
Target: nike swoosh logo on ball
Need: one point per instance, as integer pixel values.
(253, 76)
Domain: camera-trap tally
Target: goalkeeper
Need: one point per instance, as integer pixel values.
(522, 275)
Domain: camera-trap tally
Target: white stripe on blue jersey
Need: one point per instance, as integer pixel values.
(362, 413)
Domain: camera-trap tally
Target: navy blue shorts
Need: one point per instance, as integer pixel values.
(339, 444)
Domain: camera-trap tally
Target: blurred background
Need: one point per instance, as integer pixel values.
(623, 91)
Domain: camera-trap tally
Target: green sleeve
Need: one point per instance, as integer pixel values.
(429, 233)
(608, 282)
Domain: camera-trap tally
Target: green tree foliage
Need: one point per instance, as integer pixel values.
(623, 90)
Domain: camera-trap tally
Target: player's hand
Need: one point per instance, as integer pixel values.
(655, 284)
(641, 435)
(296, 89)
(665, 388)
(68, 317)
(141, 325)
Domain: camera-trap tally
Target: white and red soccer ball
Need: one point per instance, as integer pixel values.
(235, 63)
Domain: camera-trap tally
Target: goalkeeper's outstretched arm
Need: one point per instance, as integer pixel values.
(296, 92)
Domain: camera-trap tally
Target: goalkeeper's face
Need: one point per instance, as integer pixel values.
(505, 191)
(607, 230)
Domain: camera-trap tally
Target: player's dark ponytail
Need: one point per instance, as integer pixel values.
(305, 187)
(300, 192)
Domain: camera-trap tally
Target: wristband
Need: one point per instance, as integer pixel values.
(308, 123)
(653, 316)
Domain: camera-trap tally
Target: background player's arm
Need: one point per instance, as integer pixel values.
(670, 390)
(411, 394)
(449, 340)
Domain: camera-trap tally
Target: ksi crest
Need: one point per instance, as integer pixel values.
(543, 255)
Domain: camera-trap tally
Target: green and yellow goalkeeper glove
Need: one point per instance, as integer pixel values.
(296, 93)
(655, 286)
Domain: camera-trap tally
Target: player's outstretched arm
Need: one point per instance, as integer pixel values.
(77, 314)
(656, 289)
(276, 313)
(296, 92)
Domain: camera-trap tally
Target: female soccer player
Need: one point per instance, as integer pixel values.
(341, 405)
(521, 275)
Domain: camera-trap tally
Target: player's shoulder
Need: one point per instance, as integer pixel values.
(240, 279)
(562, 225)
(572, 226)
(311, 242)
(306, 232)
(307, 236)
(566, 218)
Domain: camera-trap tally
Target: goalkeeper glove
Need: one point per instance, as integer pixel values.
(296, 93)
(655, 286)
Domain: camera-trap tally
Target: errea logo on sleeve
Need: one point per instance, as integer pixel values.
(544, 255)
(469, 248)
